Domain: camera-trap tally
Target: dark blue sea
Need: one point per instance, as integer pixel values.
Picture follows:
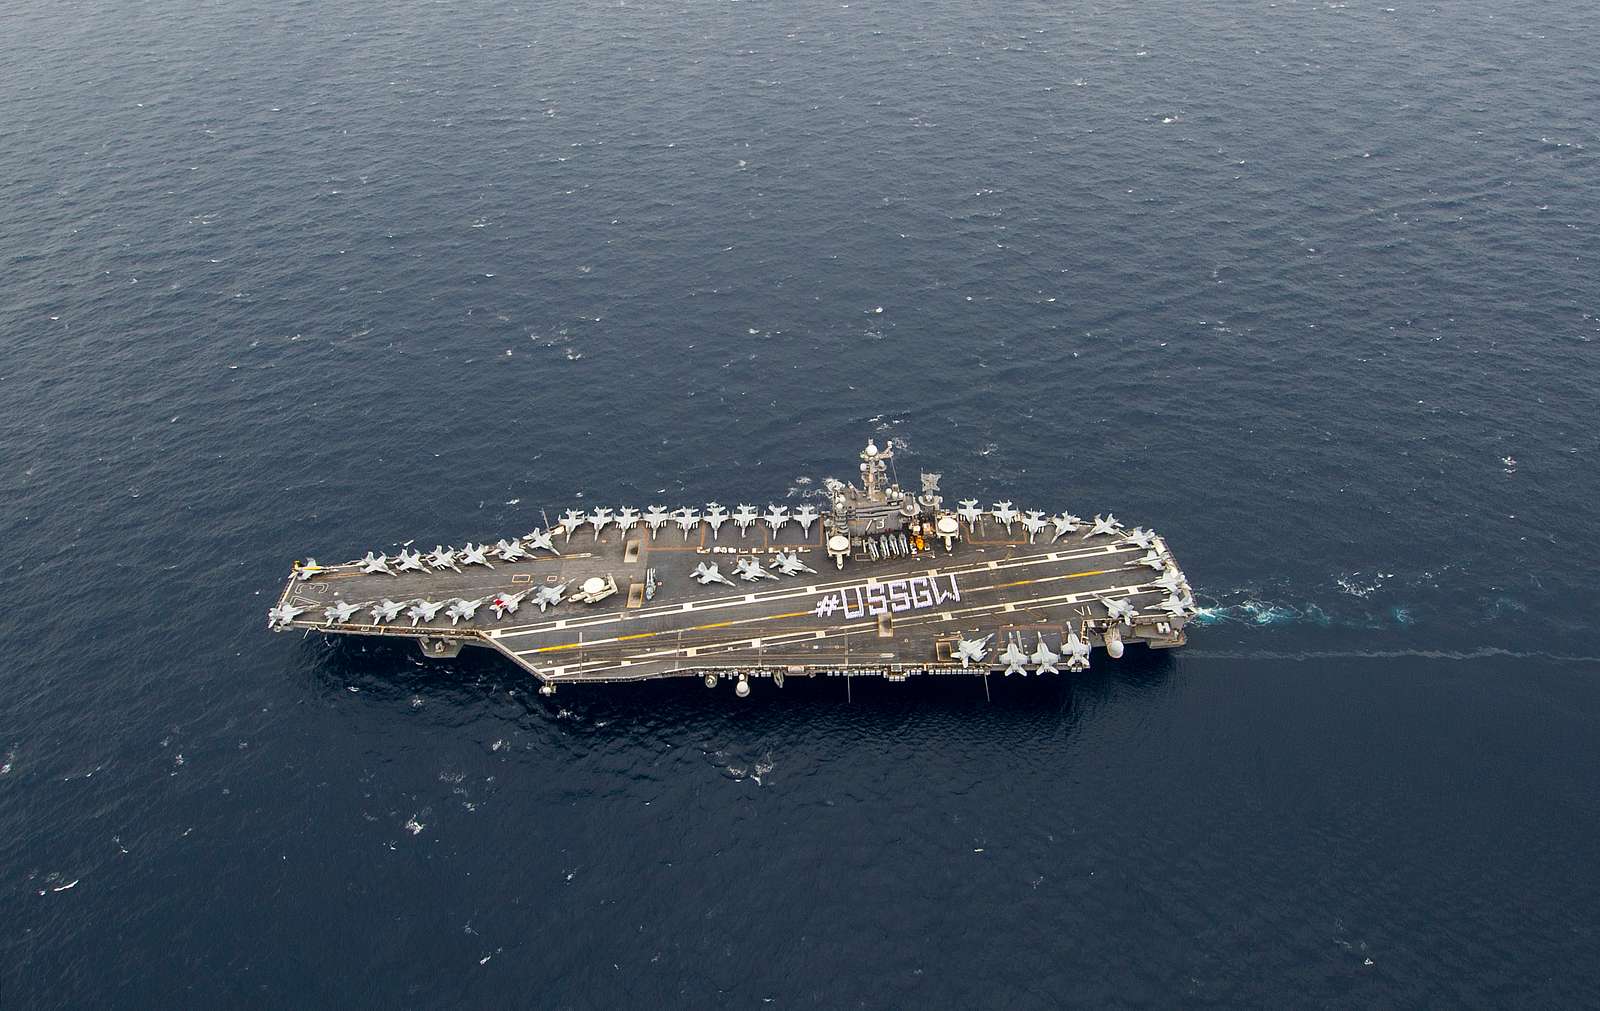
(1312, 288)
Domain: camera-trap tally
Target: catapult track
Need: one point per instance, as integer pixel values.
(980, 594)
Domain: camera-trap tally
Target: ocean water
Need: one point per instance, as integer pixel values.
(1309, 287)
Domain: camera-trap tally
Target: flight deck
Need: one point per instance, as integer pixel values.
(883, 582)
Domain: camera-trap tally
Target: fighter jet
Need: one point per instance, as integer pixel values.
(600, 518)
(1033, 522)
(571, 520)
(308, 569)
(687, 519)
(387, 610)
(464, 609)
(281, 615)
(805, 516)
(443, 558)
(409, 561)
(506, 603)
(744, 516)
(627, 518)
(1108, 524)
(655, 518)
(708, 574)
(1153, 560)
(549, 596)
(1066, 523)
(1077, 653)
(1178, 607)
(537, 539)
(1016, 660)
(970, 512)
(1003, 513)
(776, 517)
(716, 515)
(475, 555)
(1172, 581)
(750, 570)
(1044, 661)
(971, 651)
(1142, 538)
(374, 564)
(340, 612)
(789, 564)
(1119, 610)
(423, 610)
(509, 551)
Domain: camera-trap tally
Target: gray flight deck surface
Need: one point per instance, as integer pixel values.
(949, 591)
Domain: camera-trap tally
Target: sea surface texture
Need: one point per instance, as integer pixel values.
(1311, 288)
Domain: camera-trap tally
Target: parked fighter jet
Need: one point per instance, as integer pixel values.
(687, 519)
(1034, 522)
(1015, 659)
(750, 570)
(463, 610)
(1172, 581)
(1077, 653)
(1142, 538)
(374, 564)
(789, 563)
(655, 518)
(971, 651)
(1153, 560)
(744, 516)
(281, 615)
(341, 612)
(387, 610)
(475, 555)
(549, 596)
(443, 558)
(1120, 610)
(970, 512)
(1006, 515)
(409, 561)
(805, 516)
(627, 518)
(708, 574)
(1108, 524)
(1044, 660)
(506, 603)
(1175, 605)
(571, 520)
(1066, 523)
(716, 515)
(776, 517)
(537, 539)
(509, 551)
(600, 518)
(423, 610)
(305, 570)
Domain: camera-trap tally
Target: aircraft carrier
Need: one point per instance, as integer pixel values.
(883, 581)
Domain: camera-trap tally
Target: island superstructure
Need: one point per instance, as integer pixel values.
(883, 581)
